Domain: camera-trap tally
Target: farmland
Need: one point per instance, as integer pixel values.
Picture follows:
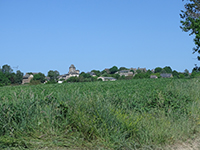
(126, 114)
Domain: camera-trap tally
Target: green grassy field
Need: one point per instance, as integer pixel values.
(131, 114)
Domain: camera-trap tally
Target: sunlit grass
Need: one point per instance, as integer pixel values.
(108, 115)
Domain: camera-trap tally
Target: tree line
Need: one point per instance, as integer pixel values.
(137, 74)
(8, 77)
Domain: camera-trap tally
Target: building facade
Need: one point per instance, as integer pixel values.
(27, 78)
(72, 73)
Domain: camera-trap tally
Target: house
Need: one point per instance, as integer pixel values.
(107, 78)
(92, 74)
(125, 73)
(72, 73)
(166, 75)
(27, 77)
(153, 77)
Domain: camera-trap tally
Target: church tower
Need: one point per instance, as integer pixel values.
(72, 69)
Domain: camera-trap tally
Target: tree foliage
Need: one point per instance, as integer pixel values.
(39, 77)
(138, 71)
(7, 76)
(6, 69)
(141, 75)
(158, 69)
(167, 69)
(191, 22)
(97, 72)
(85, 75)
(3, 79)
(18, 77)
(123, 68)
(113, 69)
(53, 75)
(175, 74)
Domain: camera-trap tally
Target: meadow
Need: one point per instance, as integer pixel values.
(126, 114)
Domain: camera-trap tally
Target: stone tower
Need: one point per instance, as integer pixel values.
(72, 69)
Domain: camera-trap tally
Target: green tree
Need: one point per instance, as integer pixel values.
(138, 71)
(163, 71)
(181, 76)
(53, 75)
(97, 72)
(116, 76)
(122, 77)
(103, 72)
(191, 22)
(6, 69)
(175, 74)
(11, 77)
(3, 79)
(158, 69)
(73, 79)
(167, 69)
(113, 69)
(196, 69)
(39, 77)
(141, 76)
(123, 68)
(85, 75)
(18, 77)
(186, 73)
(149, 72)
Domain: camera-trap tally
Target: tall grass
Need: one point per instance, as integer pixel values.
(130, 114)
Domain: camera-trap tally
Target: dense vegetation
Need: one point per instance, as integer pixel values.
(7, 76)
(191, 22)
(125, 114)
(138, 74)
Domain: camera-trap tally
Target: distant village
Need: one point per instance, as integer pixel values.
(8, 77)
(107, 75)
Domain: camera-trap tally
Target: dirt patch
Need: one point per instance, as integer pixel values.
(187, 145)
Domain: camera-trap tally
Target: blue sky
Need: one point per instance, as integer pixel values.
(39, 36)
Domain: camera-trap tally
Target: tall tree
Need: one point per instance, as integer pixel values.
(196, 69)
(53, 74)
(175, 74)
(18, 77)
(39, 76)
(6, 69)
(3, 79)
(186, 73)
(191, 22)
(113, 69)
(167, 69)
(158, 69)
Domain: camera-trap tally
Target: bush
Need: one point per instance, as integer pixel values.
(35, 82)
